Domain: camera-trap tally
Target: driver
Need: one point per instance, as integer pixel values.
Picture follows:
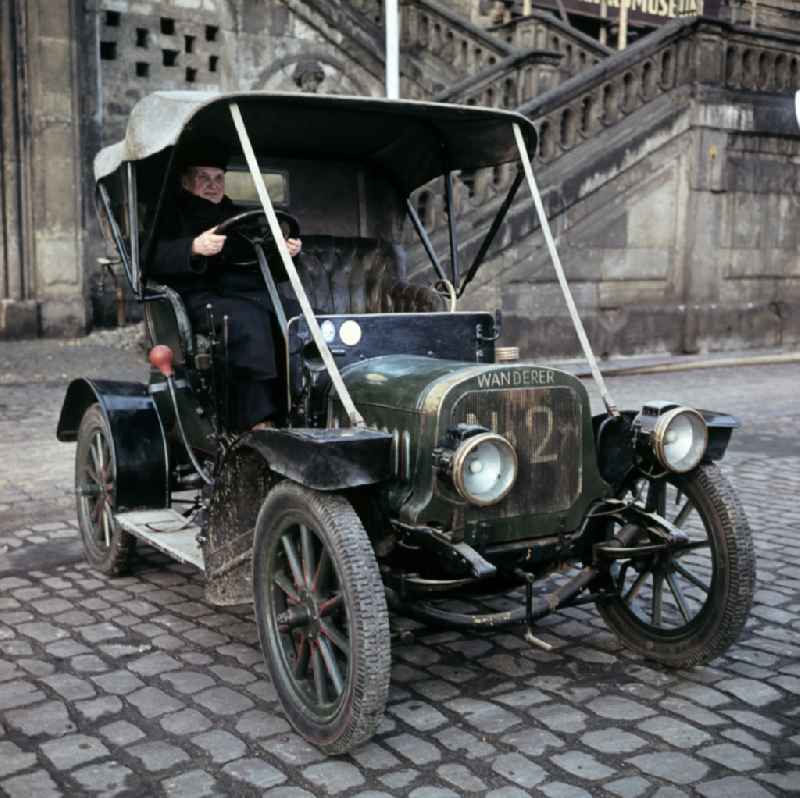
(200, 264)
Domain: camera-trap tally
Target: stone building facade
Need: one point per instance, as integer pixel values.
(71, 72)
(43, 191)
(674, 196)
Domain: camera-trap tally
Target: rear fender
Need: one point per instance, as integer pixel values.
(140, 446)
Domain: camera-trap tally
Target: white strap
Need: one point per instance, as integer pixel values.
(551, 246)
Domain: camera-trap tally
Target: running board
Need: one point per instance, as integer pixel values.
(167, 531)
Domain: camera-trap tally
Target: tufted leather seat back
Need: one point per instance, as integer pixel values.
(360, 275)
(340, 275)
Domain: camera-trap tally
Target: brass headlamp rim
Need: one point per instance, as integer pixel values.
(660, 430)
(459, 461)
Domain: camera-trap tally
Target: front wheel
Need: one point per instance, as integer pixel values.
(686, 607)
(321, 614)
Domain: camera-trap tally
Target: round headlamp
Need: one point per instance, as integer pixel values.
(679, 439)
(484, 468)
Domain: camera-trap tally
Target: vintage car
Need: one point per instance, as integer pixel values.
(417, 463)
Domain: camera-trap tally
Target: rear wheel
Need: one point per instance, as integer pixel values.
(107, 547)
(685, 607)
(321, 615)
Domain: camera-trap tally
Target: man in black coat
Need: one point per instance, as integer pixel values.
(200, 264)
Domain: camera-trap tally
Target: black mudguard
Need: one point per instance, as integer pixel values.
(614, 440)
(720, 427)
(140, 446)
(321, 459)
(326, 459)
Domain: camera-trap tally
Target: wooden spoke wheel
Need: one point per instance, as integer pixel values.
(107, 547)
(321, 615)
(687, 605)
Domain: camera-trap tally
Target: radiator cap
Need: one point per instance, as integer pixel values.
(506, 354)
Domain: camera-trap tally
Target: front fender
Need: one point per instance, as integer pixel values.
(720, 427)
(326, 459)
(615, 441)
(140, 446)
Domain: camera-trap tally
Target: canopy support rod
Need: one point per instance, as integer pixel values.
(272, 290)
(426, 241)
(133, 205)
(489, 237)
(562, 280)
(355, 417)
(451, 228)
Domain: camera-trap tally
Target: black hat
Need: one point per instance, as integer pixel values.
(203, 152)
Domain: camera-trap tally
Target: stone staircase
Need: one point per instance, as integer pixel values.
(689, 122)
(445, 56)
(654, 164)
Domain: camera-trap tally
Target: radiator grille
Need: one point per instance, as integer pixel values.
(544, 426)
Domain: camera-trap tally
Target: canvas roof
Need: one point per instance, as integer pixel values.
(412, 141)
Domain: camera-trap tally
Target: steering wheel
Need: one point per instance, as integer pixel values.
(252, 227)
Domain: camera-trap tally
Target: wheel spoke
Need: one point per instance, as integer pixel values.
(635, 587)
(303, 656)
(93, 476)
(282, 581)
(656, 497)
(97, 459)
(105, 453)
(677, 594)
(291, 558)
(331, 666)
(319, 676)
(108, 523)
(681, 548)
(323, 570)
(690, 577)
(101, 452)
(307, 547)
(622, 572)
(658, 598)
(332, 604)
(336, 637)
(97, 510)
(683, 513)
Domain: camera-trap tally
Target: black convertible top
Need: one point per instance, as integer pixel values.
(412, 142)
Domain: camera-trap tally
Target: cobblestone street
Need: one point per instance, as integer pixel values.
(137, 687)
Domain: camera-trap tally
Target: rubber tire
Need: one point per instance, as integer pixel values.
(336, 524)
(721, 620)
(113, 560)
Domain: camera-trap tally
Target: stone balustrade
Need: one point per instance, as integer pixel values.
(761, 68)
(544, 31)
(500, 67)
(428, 26)
(509, 83)
(680, 53)
(439, 46)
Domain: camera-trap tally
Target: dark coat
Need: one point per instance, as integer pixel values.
(232, 291)
(173, 259)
